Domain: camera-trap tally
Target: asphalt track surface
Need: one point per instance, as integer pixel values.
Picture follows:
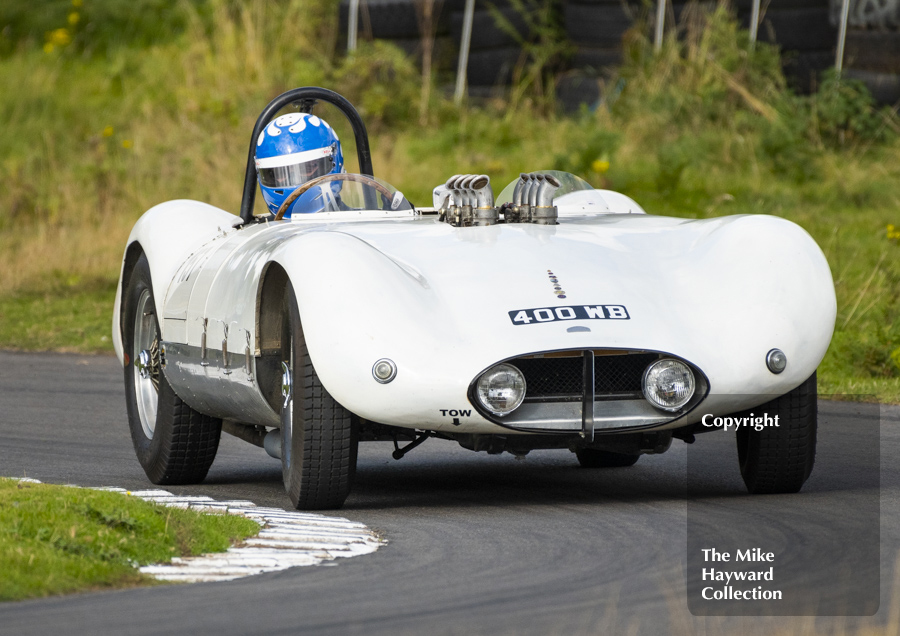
(478, 544)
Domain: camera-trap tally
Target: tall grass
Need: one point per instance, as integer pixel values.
(96, 133)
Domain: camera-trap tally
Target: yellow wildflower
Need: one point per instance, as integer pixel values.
(127, 143)
(74, 18)
(48, 47)
(60, 37)
(108, 131)
(600, 165)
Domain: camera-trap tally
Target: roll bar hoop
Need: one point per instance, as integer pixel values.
(305, 98)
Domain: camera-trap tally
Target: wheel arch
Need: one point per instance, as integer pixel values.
(133, 252)
(270, 331)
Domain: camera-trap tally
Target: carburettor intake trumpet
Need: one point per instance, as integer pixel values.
(532, 200)
(467, 199)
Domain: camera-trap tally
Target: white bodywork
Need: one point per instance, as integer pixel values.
(719, 293)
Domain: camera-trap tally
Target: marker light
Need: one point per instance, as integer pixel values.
(501, 389)
(384, 370)
(668, 384)
(776, 361)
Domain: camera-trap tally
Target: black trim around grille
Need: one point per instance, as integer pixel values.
(560, 379)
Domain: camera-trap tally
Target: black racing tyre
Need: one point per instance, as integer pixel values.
(385, 18)
(745, 7)
(600, 26)
(798, 29)
(576, 88)
(593, 458)
(319, 440)
(492, 67)
(174, 443)
(885, 87)
(597, 59)
(803, 69)
(876, 51)
(780, 459)
(487, 33)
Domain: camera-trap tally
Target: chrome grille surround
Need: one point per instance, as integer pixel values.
(579, 391)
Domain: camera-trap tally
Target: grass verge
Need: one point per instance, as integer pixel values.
(70, 317)
(59, 540)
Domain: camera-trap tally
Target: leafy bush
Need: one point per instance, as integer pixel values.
(382, 82)
(91, 26)
(845, 111)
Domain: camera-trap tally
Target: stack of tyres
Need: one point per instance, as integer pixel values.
(873, 56)
(596, 28)
(400, 22)
(495, 47)
(804, 31)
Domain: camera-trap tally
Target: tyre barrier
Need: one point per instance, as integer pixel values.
(873, 57)
(805, 30)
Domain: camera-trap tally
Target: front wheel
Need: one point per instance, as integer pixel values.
(319, 441)
(779, 459)
(174, 443)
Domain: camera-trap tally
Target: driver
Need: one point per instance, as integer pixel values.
(293, 149)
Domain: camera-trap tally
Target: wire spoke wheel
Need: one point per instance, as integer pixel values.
(145, 356)
(174, 443)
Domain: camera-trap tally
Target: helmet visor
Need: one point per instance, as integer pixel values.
(296, 174)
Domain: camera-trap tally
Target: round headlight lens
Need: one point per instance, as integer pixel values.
(501, 389)
(668, 384)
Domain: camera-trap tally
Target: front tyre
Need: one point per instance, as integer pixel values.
(779, 459)
(318, 439)
(174, 443)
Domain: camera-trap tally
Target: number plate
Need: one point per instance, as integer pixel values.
(574, 312)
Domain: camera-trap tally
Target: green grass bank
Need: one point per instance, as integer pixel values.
(58, 540)
(118, 114)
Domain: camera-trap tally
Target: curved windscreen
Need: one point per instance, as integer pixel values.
(350, 195)
(568, 182)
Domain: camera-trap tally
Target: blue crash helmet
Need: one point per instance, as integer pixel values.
(290, 151)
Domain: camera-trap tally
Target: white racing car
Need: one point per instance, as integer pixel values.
(554, 316)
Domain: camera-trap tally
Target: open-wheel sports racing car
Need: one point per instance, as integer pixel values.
(554, 316)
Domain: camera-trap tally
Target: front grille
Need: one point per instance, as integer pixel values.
(561, 378)
(621, 374)
(551, 377)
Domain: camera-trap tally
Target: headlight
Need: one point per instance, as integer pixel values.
(501, 389)
(668, 384)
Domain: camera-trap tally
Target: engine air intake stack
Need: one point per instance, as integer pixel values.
(467, 199)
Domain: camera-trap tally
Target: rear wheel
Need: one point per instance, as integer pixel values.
(779, 459)
(318, 439)
(593, 458)
(174, 443)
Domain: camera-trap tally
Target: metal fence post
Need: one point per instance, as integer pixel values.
(842, 37)
(754, 23)
(352, 22)
(465, 43)
(660, 23)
